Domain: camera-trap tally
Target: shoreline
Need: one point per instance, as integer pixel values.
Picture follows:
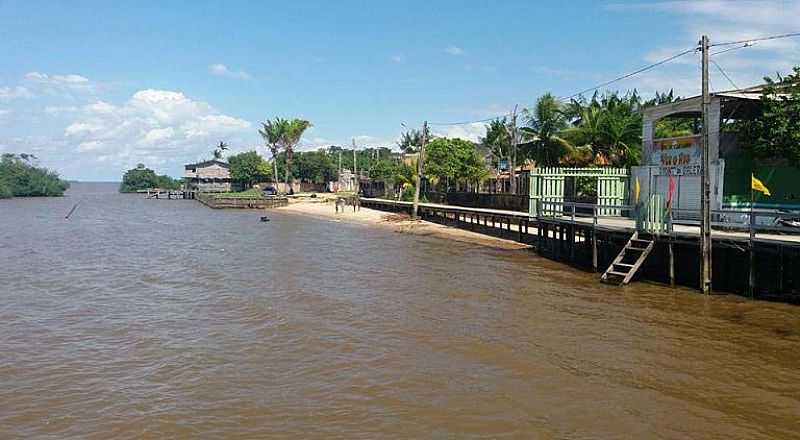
(324, 209)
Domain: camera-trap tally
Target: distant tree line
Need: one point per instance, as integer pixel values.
(20, 178)
(142, 178)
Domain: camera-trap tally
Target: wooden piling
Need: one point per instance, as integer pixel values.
(594, 238)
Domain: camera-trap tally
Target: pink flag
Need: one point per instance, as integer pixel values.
(670, 190)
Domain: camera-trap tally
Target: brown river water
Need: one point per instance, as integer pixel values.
(145, 319)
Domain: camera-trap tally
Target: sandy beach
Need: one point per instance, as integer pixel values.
(323, 207)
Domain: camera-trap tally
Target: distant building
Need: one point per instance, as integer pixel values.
(209, 176)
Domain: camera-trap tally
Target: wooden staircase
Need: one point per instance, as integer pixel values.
(629, 260)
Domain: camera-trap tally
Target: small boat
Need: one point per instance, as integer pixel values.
(265, 219)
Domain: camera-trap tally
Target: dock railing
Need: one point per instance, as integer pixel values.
(753, 221)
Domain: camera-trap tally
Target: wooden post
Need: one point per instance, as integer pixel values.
(594, 238)
(420, 160)
(513, 153)
(780, 268)
(752, 278)
(705, 219)
(571, 237)
(540, 233)
(671, 252)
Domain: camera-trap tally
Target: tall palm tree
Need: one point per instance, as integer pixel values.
(498, 138)
(292, 135)
(273, 133)
(545, 122)
(411, 140)
(498, 141)
(622, 135)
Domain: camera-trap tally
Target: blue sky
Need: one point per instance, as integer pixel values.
(95, 87)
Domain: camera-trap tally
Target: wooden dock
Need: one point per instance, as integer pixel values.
(766, 265)
(167, 194)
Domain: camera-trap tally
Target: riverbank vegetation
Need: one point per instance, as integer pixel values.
(143, 178)
(283, 134)
(775, 134)
(251, 193)
(21, 178)
(602, 130)
(249, 168)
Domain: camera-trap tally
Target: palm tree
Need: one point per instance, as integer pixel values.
(498, 141)
(292, 135)
(273, 133)
(411, 140)
(545, 122)
(622, 136)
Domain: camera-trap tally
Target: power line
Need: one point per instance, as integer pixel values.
(725, 74)
(468, 122)
(620, 78)
(747, 44)
(738, 103)
(628, 75)
(753, 40)
(743, 43)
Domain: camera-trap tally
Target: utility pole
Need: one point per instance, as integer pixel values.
(355, 164)
(705, 220)
(513, 153)
(420, 159)
(355, 167)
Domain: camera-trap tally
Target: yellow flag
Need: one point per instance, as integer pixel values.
(757, 185)
(636, 190)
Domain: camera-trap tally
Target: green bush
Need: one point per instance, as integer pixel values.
(19, 178)
(141, 178)
(5, 191)
(408, 194)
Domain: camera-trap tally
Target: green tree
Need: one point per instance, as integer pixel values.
(605, 129)
(248, 168)
(545, 122)
(315, 167)
(291, 137)
(411, 140)
(273, 133)
(142, 178)
(18, 177)
(622, 136)
(775, 132)
(453, 160)
(498, 140)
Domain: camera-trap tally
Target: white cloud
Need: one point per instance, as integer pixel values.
(223, 70)
(454, 50)
(722, 21)
(88, 146)
(399, 59)
(58, 110)
(472, 132)
(153, 126)
(69, 86)
(158, 135)
(4, 113)
(60, 84)
(10, 93)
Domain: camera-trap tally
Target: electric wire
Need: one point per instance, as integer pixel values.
(753, 40)
(628, 75)
(468, 122)
(743, 44)
(748, 44)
